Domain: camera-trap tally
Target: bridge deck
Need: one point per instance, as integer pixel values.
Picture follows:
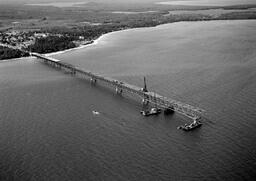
(164, 102)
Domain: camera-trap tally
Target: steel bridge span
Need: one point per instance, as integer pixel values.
(152, 97)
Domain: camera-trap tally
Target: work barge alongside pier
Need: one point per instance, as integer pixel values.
(147, 96)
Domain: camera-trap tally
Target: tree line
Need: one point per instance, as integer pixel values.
(8, 53)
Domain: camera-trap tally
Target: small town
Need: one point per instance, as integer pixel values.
(23, 39)
(36, 41)
(20, 39)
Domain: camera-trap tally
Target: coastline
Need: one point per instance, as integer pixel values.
(98, 39)
(15, 59)
(94, 42)
(91, 43)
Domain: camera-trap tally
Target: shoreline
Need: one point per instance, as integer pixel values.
(98, 39)
(93, 42)
(16, 59)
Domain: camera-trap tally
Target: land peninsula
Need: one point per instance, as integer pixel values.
(47, 29)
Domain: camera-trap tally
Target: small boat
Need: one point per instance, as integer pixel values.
(95, 112)
(188, 127)
(152, 111)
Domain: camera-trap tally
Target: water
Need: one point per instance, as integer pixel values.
(48, 130)
(207, 2)
(212, 12)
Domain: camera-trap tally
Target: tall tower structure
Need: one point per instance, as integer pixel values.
(145, 85)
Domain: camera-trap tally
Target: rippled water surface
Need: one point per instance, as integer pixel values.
(48, 131)
(206, 2)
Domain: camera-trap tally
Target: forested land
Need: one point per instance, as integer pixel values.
(8, 53)
(67, 27)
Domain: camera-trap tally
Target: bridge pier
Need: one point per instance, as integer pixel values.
(145, 100)
(73, 72)
(119, 90)
(55, 65)
(93, 80)
(58, 66)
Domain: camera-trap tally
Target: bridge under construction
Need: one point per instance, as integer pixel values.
(147, 96)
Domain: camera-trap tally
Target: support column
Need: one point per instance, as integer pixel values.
(145, 100)
(93, 80)
(119, 90)
(73, 71)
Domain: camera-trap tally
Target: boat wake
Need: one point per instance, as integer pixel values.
(95, 113)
